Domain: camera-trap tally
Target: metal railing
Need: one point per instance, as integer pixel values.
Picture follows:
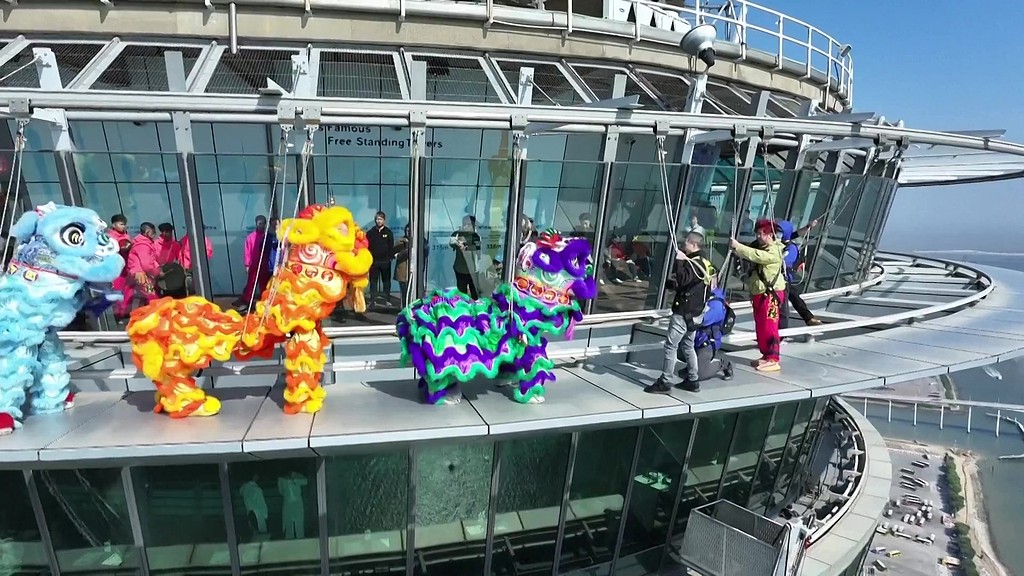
(568, 354)
(796, 46)
(724, 539)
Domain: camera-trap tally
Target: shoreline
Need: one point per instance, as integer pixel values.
(973, 514)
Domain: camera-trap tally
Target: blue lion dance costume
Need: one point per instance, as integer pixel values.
(63, 263)
(451, 338)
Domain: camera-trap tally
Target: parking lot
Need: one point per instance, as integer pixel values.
(916, 558)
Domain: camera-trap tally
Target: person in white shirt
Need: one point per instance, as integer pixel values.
(293, 513)
(255, 505)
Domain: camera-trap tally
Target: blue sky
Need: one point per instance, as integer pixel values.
(940, 65)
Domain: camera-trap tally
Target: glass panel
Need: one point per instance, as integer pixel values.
(39, 181)
(810, 444)
(598, 489)
(358, 75)
(601, 82)
(720, 208)
(707, 461)
(276, 521)
(366, 169)
(662, 455)
(875, 230)
(764, 186)
(746, 447)
(87, 516)
(131, 169)
(564, 194)
(793, 447)
(367, 510)
(453, 486)
(182, 515)
(636, 238)
(771, 458)
(834, 232)
(529, 501)
(467, 185)
(457, 79)
(21, 544)
(235, 168)
(866, 206)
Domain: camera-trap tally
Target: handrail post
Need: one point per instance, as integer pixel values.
(810, 50)
(782, 42)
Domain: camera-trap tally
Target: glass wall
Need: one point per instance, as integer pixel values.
(21, 543)
(367, 512)
(624, 490)
(859, 228)
(273, 503)
(39, 182)
(87, 517)
(811, 199)
(874, 230)
(636, 229)
(834, 231)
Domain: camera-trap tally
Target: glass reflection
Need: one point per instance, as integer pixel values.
(719, 207)
(707, 461)
(853, 253)
(809, 446)
(771, 458)
(834, 232)
(87, 517)
(528, 504)
(182, 515)
(874, 231)
(21, 546)
(40, 183)
(274, 506)
(467, 208)
(636, 238)
(662, 456)
(751, 427)
(366, 169)
(367, 507)
(452, 501)
(598, 489)
(789, 457)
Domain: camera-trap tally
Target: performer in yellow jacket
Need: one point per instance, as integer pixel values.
(767, 285)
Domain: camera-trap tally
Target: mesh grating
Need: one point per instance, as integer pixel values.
(602, 80)
(731, 541)
(550, 86)
(455, 79)
(71, 59)
(143, 68)
(247, 71)
(358, 75)
(783, 106)
(730, 101)
(672, 89)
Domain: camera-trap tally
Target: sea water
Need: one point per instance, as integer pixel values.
(1000, 480)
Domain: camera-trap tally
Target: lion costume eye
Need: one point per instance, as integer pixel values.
(73, 235)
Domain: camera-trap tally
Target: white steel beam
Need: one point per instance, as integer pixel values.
(92, 72)
(444, 113)
(12, 49)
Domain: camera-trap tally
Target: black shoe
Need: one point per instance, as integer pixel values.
(660, 386)
(727, 371)
(689, 385)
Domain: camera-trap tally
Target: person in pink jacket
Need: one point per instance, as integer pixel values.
(186, 258)
(118, 232)
(142, 268)
(168, 249)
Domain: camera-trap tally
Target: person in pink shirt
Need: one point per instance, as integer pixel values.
(118, 232)
(168, 249)
(142, 267)
(186, 258)
(258, 271)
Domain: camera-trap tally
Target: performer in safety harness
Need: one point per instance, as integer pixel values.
(794, 261)
(767, 286)
(717, 321)
(693, 276)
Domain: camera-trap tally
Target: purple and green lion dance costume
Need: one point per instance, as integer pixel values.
(451, 338)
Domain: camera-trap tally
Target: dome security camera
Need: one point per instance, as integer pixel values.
(700, 42)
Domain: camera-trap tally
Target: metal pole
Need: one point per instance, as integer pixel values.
(915, 413)
(942, 415)
(999, 420)
(865, 407)
(969, 419)
(233, 28)
(890, 410)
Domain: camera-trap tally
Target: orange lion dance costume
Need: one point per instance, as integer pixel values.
(325, 254)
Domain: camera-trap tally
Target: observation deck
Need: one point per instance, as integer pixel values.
(913, 318)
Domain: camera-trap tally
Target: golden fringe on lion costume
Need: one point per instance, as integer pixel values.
(325, 254)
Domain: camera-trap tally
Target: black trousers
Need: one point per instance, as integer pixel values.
(465, 284)
(380, 278)
(793, 295)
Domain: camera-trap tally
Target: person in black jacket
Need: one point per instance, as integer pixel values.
(692, 284)
(382, 248)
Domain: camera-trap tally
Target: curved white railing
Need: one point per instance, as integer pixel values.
(746, 30)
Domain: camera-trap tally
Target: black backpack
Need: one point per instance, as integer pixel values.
(172, 280)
